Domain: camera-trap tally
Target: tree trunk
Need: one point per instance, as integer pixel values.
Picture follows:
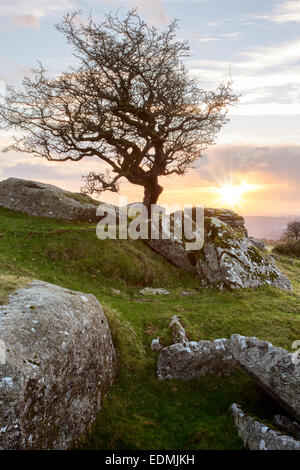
(151, 193)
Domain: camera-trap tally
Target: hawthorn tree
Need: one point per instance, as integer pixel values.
(293, 230)
(130, 101)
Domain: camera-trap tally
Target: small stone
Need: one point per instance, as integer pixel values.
(155, 345)
(115, 291)
(154, 291)
(178, 332)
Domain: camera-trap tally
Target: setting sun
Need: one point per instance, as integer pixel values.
(230, 195)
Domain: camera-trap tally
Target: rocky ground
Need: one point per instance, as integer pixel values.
(140, 411)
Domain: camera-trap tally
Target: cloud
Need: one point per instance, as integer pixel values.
(263, 57)
(184, 1)
(266, 57)
(270, 163)
(208, 39)
(37, 171)
(267, 78)
(266, 109)
(16, 13)
(275, 168)
(29, 13)
(153, 10)
(219, 37)
(286, 12)
(37, 8)
(23, 21)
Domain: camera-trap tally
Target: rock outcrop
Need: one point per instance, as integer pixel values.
(193, 359)
(45, 200)
(227, 259)
(59, 361)
(259, 436)
(272, 368)
(237, 222)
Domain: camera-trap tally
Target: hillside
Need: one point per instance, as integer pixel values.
(140, 412)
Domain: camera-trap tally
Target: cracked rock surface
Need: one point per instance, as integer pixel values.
(272, 369)
(258, 436)
(227, 259)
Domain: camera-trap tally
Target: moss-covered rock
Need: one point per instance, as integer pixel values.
(229, 259)
(231, 218)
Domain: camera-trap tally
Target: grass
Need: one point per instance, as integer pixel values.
(140, 412)
(288, 247)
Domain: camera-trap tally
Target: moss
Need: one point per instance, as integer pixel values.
(9, 283)
(255, 255)
(83, 198)
(222, 235)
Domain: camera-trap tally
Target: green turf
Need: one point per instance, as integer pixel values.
(140, 412)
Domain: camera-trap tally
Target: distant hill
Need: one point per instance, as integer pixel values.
(269, 228)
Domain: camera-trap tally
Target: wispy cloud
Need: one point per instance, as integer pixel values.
(18, 13)
(37, 8)
(184, 1)
(266, 57)
(208, 39)
(286, 12)
(266, 109)
(219, 37)
(268, 78)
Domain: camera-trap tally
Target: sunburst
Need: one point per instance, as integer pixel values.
(231, 195)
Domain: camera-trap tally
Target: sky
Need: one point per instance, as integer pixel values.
(255, 43)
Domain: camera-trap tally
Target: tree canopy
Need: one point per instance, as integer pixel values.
(293, 230)
(129, 101)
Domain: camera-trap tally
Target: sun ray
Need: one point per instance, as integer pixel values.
(231, 195)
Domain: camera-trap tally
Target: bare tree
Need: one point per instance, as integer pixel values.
(130, 101)
(293, 230)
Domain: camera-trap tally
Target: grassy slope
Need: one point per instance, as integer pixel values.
(140, 412)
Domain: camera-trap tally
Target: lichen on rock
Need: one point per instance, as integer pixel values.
(188, 360)
(258, 436)
(272, 368)
(59, 362)
(46, 200)
(229, 259)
